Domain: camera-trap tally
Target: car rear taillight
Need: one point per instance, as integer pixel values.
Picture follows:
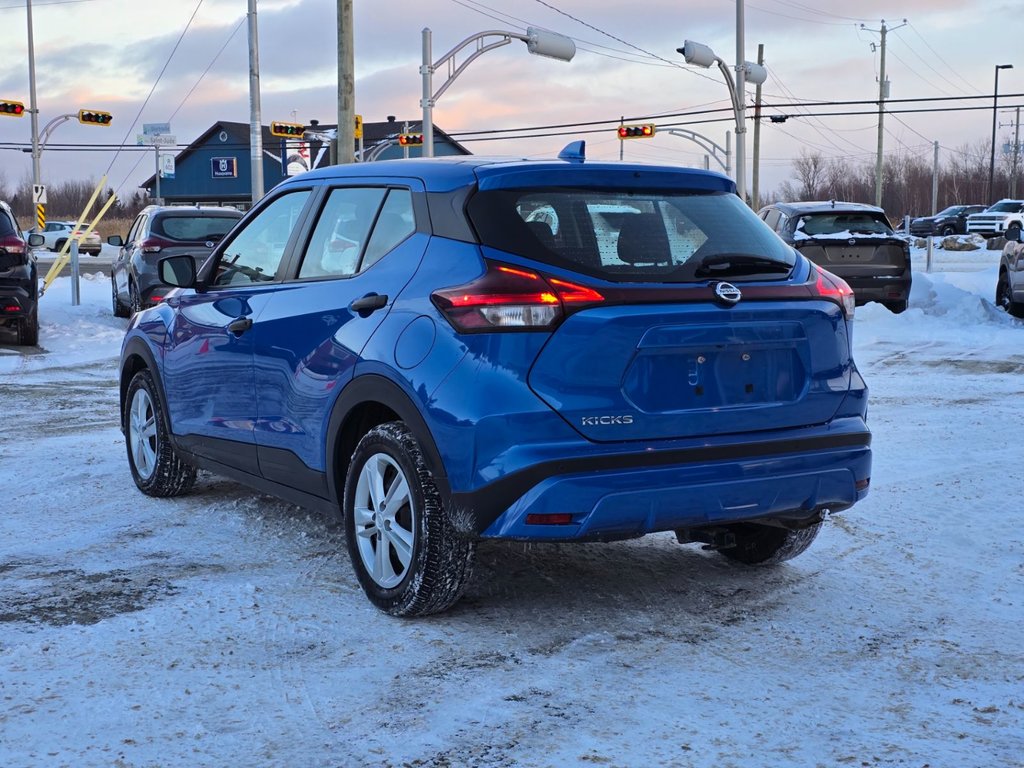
(511, 298)
(833, 288)
(12, 244)
(154, 244)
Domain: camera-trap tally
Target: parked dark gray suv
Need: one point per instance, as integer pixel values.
(157, 232)
(951, 221)
(19, 284)
(851, 240)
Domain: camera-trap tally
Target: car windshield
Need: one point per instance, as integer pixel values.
(634, 235)
(1007, 206)
(842, 224)
(193, 228)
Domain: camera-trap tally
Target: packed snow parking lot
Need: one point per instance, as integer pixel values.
(228, 628)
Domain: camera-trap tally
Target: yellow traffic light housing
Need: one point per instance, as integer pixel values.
(410, 139)
(642, 131)
(94, 117)
(287, 130)
(12, 108)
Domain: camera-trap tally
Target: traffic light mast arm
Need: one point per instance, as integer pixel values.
(715, 150)
(50, 127)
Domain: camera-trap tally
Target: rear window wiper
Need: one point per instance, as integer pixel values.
(722, 264)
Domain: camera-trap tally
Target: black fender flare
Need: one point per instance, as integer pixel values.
(374, 388)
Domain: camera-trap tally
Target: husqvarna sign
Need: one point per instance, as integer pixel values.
(224, 167)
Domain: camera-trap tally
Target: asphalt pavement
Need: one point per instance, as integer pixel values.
(87, 263)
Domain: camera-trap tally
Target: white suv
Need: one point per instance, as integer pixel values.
(996, 219)
(56, 233)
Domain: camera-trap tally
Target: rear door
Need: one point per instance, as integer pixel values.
(362, 248)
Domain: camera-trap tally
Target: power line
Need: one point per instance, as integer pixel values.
(155, 84)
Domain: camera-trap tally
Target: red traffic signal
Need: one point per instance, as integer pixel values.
(287, 130)
(410, 139)
(12, 108)
(94, 117)
(644, 131)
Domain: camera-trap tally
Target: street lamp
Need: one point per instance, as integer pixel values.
(538, 41)
(702, 56)
(992, 159)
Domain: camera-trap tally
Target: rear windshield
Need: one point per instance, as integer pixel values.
(193, 228)
(620, 235)
(842, 225)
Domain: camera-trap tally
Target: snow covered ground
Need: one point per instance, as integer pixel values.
(226, 628)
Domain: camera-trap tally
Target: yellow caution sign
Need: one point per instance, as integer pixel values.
(359, 127)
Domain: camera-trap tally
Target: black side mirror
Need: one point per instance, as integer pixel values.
(36, 240)
(178, 271)
(116, 240)
(1013, 234)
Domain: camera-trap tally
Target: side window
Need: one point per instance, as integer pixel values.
(255, 253)
(771, 218)
(340, 234)
(783, 223)
(133, 233)
(395, 223)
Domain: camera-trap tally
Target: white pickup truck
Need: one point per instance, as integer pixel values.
(996, 219)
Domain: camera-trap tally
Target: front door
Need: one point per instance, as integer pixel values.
(208, 366)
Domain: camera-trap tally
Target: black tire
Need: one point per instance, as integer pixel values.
(28, 328)
(768, 544)
(120, 310)
(1004, 297)
(896, 307)
(59, 245)
(134, 299)
(156, 467)
(948, 230)
(425, 568)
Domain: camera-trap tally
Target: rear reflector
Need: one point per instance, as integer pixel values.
(862, 485)
(11, 308)
(559, 518)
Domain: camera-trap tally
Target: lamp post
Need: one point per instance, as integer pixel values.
(749, 72)
(992, 158)
(538, 41)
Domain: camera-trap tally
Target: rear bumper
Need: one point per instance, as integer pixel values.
(881, 289)
(17, 298)
(626, 495)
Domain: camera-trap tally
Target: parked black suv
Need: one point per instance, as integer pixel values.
(851, 240)
(951, 221)
(19, 284)
(158, 232)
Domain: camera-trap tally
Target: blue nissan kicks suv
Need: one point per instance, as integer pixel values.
(438, 351)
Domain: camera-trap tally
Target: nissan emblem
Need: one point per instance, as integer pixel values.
(727, 293)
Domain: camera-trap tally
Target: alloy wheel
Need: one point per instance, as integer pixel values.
(385, 520)
(142, 435)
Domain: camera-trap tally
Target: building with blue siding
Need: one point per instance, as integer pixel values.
(216, 168)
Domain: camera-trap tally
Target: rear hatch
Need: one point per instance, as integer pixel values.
(666, 350)
(188, 232)
(851, 244)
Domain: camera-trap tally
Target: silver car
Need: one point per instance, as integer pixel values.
(158, 232)
(57, 233)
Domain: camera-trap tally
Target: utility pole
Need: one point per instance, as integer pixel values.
(346, 84)
(1016, 151)
(755, 187)
(741, 99)
(255, 116)
(33, 109)
(935, 202)
(883, 94)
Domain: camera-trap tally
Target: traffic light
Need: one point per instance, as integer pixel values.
(94, 117)
(410, 139)
(644, 131)
(287, 130)
(12, 108)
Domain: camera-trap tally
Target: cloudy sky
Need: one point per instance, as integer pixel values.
(109, 54)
